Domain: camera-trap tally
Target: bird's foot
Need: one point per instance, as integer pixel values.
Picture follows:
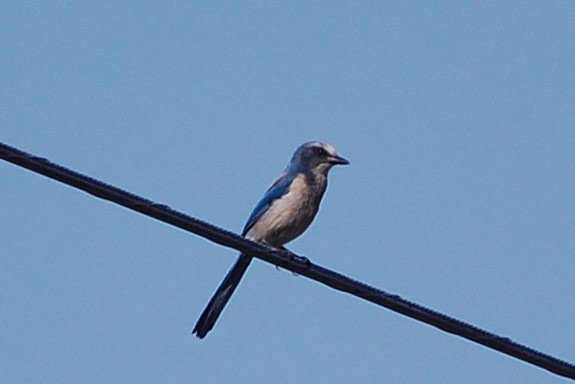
(295, 259)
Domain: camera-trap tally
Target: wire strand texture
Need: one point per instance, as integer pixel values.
(299, 265)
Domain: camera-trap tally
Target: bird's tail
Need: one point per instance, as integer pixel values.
(221, 297)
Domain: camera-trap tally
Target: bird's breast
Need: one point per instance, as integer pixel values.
(289, 216)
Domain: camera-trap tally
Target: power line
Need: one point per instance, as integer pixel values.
(296, 264)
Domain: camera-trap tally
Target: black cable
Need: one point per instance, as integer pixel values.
(296, 264)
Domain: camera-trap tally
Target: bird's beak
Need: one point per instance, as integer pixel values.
(338, 160)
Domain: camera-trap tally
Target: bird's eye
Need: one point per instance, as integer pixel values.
(320, 151)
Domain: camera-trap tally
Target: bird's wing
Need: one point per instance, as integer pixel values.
(279, 188)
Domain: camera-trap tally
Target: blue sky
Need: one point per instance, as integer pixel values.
(457, 118)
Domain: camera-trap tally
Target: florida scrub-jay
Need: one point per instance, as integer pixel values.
(286, 210)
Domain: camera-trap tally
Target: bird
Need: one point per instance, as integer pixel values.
(285, 211)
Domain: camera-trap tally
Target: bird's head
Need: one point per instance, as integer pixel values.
(317, 156)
